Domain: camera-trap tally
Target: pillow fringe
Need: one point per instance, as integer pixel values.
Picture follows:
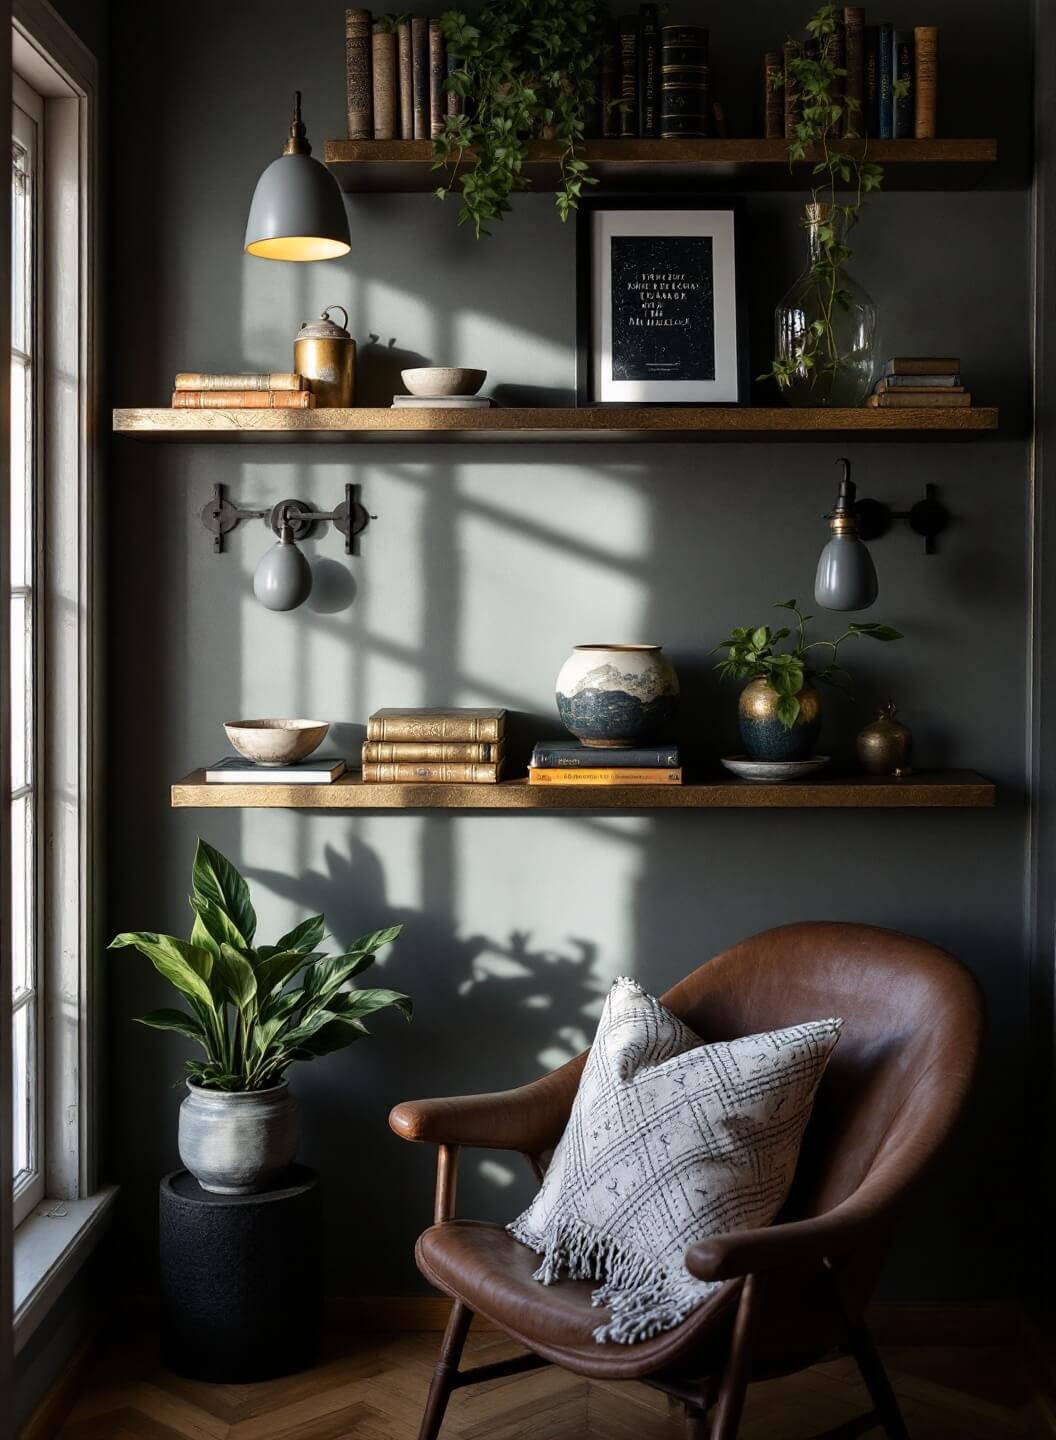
(642, 1298)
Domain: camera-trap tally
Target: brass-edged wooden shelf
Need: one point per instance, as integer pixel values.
(406, 165)
(680, 423)
(938, 789)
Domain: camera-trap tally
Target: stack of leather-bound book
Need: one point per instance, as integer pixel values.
(448, 746)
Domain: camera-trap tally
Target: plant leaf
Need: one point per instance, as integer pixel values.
(305, 936)
(214, 878)
(185, 966)
(214, 927)
(178, 1021)
(238, 977)
(354, 1004)
(788, 711)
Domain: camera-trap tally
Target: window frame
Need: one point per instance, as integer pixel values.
(52, 1242)
(30, 1192)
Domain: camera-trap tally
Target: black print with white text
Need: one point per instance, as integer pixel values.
(663, 307)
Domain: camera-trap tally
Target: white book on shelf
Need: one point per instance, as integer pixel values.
(441, 402)
(234, 770)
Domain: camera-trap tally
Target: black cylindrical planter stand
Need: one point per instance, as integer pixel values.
(240, 1279)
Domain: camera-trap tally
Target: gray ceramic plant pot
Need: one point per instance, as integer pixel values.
(237, 1142)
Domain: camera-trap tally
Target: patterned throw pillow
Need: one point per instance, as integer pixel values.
(669, 1140)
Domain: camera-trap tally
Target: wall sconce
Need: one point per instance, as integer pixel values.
(283, 577)
(846, 576)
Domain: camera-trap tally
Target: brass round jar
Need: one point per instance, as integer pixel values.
(325, 354)
(885, 746)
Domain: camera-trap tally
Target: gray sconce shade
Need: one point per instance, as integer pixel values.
(298, 211)
(846, 576)
(283, 577)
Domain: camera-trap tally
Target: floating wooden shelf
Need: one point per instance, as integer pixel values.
(406, 165)
(593, 423)
(961, 789)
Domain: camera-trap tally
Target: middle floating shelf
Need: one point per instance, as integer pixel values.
(680, 424)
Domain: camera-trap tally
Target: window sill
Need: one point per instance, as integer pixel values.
(50, 1247)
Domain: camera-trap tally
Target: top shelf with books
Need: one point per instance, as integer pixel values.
(406, 165)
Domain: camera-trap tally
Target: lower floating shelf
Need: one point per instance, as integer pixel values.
(935, 789)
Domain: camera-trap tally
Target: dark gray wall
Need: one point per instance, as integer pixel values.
(482, 569)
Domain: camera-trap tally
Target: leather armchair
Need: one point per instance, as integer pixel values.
(792, 1292)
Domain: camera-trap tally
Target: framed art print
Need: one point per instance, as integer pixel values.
(659, 308)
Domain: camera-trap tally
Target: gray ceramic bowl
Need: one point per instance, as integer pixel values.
(437, 380)
(773, 772)
(276, 742)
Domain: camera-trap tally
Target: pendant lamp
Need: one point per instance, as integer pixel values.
(846, 576)
(298, 211)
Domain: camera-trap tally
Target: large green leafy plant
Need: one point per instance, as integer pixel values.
(828, 118)
(528, 68)
(254, 1009)
(753, 653)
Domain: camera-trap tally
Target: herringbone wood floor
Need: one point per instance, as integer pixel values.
(373, 1388)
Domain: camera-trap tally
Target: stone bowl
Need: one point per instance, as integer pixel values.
(276, 742)
(439, 380)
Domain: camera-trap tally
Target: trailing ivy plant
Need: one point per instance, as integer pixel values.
(254, 1009)
(828, 118)
(753, 653)
(528, 69)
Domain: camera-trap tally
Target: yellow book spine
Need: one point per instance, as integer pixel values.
(604, 777)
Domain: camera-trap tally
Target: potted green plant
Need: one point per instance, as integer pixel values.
(779, 711)
(253, 1010)
(528, 70)
(825, 327)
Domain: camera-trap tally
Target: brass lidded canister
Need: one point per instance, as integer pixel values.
(325, 354)
(885, 747)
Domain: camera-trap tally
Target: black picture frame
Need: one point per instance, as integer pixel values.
(589, 207)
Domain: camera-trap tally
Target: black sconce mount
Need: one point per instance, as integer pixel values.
(220, 516)
(927, 518)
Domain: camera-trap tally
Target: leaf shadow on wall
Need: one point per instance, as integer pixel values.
(494, 1001)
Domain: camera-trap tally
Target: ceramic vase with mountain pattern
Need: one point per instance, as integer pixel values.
(613, 695)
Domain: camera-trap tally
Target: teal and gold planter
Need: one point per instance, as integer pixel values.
(764, 736)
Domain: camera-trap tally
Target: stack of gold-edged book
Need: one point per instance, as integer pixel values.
(434, 747)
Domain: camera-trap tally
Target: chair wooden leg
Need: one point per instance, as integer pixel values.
(860, 1343)
(697, 1427)
(446, 1370)
(730, 1402)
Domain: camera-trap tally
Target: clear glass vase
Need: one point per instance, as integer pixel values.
(824, 330)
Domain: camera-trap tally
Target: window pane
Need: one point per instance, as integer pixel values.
(21, 699)
(20, 246)
(22, 931)
(21, 475)
(24, 1046)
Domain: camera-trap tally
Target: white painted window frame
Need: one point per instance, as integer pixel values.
(54, 63)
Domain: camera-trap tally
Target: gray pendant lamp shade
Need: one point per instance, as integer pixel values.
(846, 575)
(298, 211)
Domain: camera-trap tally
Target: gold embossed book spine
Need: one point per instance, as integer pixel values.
(432, 724)
(358, 98)
(430, 774)
(416, 752)
(383, 67)
(926, 119)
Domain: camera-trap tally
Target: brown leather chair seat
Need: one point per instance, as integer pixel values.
(492, 1272)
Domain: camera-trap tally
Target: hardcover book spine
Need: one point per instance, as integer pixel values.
(377, 752)
(243, 400)
(383, 64)
(922, 365)
(629, 77)
(886, 66)
(793, 51)
(430, 774)
(277, 380)
(405, 79)
(926, 79)
(420, 76)
(916, 382)
(686, 110)
(401, 728)
(358, 99)
(537, 776)
(904, 105)
(609, 84)
(437, 71)
(773, 98)
(934, 400)
(854, 63)
(649, 74)
(547, 757)
(454, 105)
(871, 119)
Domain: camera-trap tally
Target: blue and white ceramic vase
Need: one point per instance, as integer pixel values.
(613, 695)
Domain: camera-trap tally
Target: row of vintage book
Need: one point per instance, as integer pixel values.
(269, 390)
(914, 382)
(395, 69)
(656, 81)
(890, 83)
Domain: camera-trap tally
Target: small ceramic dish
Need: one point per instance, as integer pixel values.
(276, 742)
(773, 772)
(443, 380)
